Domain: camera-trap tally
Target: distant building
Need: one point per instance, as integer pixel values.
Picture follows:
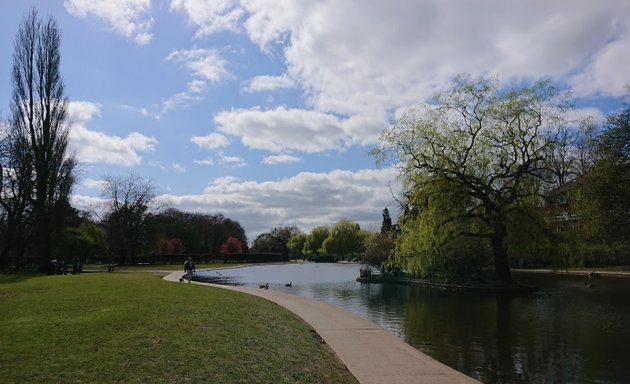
(559, 212)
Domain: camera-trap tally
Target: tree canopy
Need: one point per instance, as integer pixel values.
(345, 239)
(489, 146)
(605, 196)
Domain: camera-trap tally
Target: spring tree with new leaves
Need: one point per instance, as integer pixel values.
(473, 161)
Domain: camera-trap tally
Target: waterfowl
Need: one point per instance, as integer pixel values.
(264, 286)
(290, 284)
(592, 275)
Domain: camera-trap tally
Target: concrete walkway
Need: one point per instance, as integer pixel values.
(371, 354)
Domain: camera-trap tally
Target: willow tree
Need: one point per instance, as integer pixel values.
(485, 144)
(38, 113)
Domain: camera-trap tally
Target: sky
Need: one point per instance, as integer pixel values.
(265, 110)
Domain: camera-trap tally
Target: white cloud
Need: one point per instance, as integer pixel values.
(94, 184)
(80, 112)
(306, 199)
(607, 73)
(183, 99)
(231, 161)
(210, 16)
(130, 18)
(207, 161)
(212, 141)
(204, 63)
(196, 86)
(268, 83)
(98, 147)
(414, 49)
(369, 57)
(595, 115)
(281, 129)
(178, 167)
(277, 159)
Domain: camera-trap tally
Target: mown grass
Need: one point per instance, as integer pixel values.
(136, 328)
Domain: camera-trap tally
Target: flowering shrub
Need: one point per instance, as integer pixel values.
(172, 246)
(231, 245)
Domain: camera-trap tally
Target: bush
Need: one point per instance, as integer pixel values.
(365, 271)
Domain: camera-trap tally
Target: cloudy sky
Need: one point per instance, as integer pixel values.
(264, 110)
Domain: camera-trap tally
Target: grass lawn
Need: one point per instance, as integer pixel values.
(136, 328)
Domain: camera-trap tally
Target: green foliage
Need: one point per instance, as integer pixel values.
(200, 233)
(485, 152)
(268, 243)
(378, 248)
(285, 233)
(345, 239)
(86, 241)
(432, 239)
(601, 197)
(315, 240)
(605, 193)
(386, 225)
(531, 243)
(297, 245)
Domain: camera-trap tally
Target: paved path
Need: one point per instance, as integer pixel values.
(372, 354)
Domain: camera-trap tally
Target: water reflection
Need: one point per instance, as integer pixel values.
(564, 334)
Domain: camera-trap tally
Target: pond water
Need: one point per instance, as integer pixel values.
(565, 333)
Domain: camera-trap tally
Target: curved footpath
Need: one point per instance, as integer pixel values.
(371, 354)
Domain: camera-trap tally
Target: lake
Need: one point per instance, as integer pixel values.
(565, 333)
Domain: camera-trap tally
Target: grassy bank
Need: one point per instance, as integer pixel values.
(133, 328)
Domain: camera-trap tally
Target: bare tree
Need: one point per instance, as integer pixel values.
(130, 208)
(38, 108)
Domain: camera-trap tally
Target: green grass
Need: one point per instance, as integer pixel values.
(136, 328)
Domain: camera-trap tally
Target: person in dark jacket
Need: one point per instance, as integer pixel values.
(189, 268)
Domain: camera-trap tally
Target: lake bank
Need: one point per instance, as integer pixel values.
(372, 354)
(566, 332)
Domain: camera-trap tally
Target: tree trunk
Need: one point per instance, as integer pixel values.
(501, 264)
(43, 246)
(7, 246)
(4, 257)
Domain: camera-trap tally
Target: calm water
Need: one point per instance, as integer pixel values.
(566, 333)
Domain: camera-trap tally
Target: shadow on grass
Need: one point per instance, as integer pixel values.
(9, 276)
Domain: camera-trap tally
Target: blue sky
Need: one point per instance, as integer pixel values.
(264, 110)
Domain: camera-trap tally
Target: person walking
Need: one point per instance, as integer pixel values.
(189, 268)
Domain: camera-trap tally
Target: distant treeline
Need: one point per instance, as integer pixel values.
(207, 258)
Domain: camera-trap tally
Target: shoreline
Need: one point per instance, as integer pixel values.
(371, 354)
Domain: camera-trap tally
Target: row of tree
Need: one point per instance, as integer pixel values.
(162, 236)
(37, 173)
(345, 240)
(479, 165)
